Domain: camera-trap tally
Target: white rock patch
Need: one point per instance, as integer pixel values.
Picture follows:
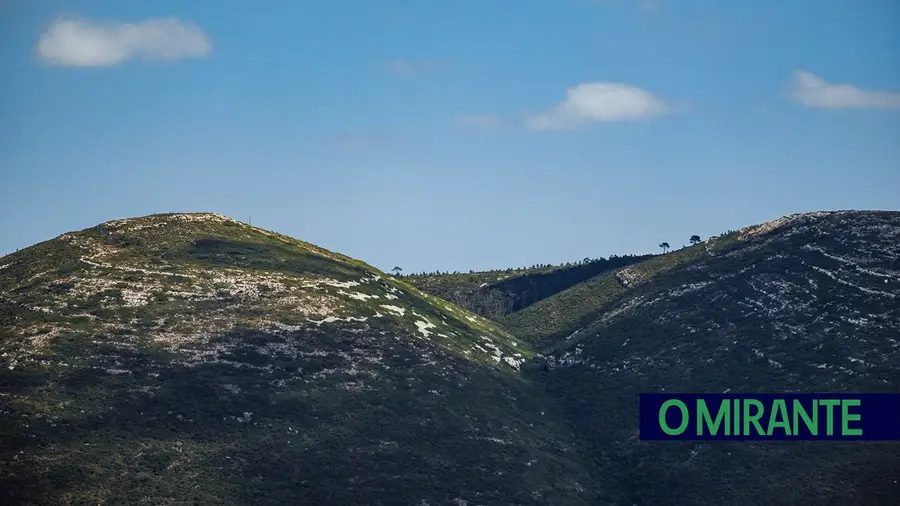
(358, 295)
(394, 309)
(423, 326)
(340, 284)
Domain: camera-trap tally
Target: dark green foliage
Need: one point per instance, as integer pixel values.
(493, 294)
(12, 313)
(411, 435)
(267, 256)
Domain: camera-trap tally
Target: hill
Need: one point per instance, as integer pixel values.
(806, 303)
(495, 294)
(191, 358)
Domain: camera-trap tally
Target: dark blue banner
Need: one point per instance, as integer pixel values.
(762, 417)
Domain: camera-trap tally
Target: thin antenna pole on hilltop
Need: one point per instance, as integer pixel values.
(251, 221)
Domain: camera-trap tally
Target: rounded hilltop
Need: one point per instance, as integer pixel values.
(182, 263)
(183, 217)
(809, 218)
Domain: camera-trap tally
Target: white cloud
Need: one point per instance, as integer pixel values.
(599, 102)
(813, 91)
(85, 43)
(413, 67)
(478, 122)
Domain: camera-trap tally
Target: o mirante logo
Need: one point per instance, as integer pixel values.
(868, 417)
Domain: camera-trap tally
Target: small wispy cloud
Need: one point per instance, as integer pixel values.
(415, 67)
(592, 102)
(478, 122)
(87, 43)
(813, 91)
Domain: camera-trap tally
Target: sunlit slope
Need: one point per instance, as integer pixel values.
(495, 294)
(559, 316)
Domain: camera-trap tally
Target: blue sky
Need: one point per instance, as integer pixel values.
(458, 135)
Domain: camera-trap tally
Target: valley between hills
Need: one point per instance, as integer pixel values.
(194, 359)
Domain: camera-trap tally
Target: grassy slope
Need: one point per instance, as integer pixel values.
(176, 359)
(494, 294)
(554, 318)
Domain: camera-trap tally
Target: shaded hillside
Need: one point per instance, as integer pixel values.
(807, 303)
(190, 358)
(494, 294)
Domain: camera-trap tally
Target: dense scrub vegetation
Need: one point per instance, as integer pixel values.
(808, 308)
(494, 294)
(216, 433)
(191, 359)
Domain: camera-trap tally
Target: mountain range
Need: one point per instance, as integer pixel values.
(195, 359)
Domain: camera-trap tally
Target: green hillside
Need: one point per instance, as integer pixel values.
(194, 359)
(495, 294)
(190, 358)
(555, 318)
